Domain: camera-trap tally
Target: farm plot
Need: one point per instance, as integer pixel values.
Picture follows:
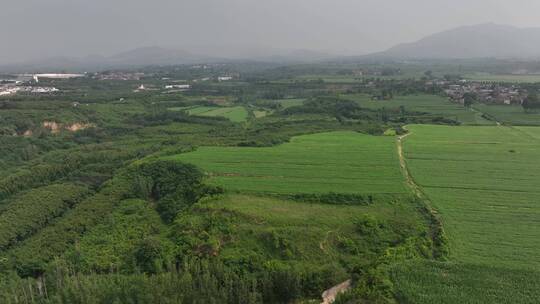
(431, 104)
(503, 78)
(293, 102)
(484, 183)
(235, 114)
(342, 162)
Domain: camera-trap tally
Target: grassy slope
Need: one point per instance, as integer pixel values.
(424, 103)
(484, 183)
(345, 162)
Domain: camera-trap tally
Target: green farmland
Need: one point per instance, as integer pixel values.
(287, 103)
(503, 78)
(235, 114)
(343, 162)
(510, 115)
(484, 183)
(431, 104)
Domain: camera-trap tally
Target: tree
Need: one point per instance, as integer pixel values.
(150, 255)
(469, 99)
(531, 103)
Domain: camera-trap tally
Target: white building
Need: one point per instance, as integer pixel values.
(178, 86)
(56, 76)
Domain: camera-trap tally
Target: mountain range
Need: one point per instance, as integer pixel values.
(466, 42)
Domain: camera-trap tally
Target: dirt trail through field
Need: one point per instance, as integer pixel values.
(436, 227)
(403, 164)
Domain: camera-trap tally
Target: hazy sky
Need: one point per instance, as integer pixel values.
(44, 28)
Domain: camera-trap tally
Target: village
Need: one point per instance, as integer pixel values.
(11, 89)
(464, 91)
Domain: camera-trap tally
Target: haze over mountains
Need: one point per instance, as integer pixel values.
(155, 56)
(477, 41)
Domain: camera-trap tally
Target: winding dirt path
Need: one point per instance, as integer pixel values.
(329, 296)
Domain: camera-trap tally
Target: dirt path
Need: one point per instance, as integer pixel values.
(403, 164)
(329, 296)
(437, 233)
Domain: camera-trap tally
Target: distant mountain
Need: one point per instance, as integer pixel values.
(467, 42)
(148, 56)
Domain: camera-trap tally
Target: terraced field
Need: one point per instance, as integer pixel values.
(484, 183)
(431, 104)
(343, 162)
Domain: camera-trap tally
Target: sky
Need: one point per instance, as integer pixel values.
(36, 29)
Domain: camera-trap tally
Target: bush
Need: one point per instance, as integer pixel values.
(368, 225)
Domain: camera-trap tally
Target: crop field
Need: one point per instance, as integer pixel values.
(343, 162)
(533, 132)
(424, 103)
(235, 114)
(511, 115)
(504, 78)
(428, 282)
(484, 183)
(327, 78)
